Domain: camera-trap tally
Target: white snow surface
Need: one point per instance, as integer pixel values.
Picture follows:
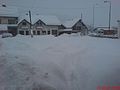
(67, 62)
(3, 27)
(71, 23)
(9, 11)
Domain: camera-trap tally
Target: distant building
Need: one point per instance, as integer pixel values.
(118, 28)
(76, 25)
(8, 19)
(41, 25)
(105, 32)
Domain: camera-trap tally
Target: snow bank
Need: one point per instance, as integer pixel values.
(67, 62)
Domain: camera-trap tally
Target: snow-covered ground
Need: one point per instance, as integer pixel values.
(67, 62)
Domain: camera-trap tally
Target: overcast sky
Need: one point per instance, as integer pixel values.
(67, 9)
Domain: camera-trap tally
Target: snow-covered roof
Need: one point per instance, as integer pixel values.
(66, 30)
(26, 17)
(48, 20)
(9, 11)
(103, 28)
(3, 27)
(71, 23)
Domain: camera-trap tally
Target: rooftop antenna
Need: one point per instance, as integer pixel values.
(81, 16)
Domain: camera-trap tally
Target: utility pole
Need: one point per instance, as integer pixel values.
(110, 17)
(31, 32)
(118, 28)
(93, 15)
(81, 16)
(94, 5)
(81, 33)
(109, 26)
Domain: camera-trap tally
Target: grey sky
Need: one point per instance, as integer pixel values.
(67, 9)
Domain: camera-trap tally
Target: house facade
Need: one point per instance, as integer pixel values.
(39, 28)
(105, 32)
(9, 19)
(23, 27)
(118, 28)
(41, 25)
(75, 26)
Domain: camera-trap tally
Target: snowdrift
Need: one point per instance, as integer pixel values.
(68, 62)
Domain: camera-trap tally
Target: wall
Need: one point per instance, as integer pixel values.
(4, 20)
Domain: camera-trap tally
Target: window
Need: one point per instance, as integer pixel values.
(11, 21)
(34, 33)
(54, 32)
(27, 32)
(48, 32)
(38, 32)
(21, 32)
(44, 32)
(78, 28)
(39, 23)
(0, 21)
(24, 23)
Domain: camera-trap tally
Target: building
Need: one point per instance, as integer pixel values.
(118, 28)
(76, 25)
(105, 32)
(41, 25)
(8, 19)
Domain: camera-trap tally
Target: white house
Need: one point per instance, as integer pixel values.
(41, 25)
(76, 25)
(118, 28)
(8, 19)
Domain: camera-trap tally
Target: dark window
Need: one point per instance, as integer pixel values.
(11, 21)
(27, 32)
(0, 21)
(34, 32)
(44, 32)
(48, 32)
(24, 23)
(38, 32)
(21, 32)
(78, 28)
(54, 32)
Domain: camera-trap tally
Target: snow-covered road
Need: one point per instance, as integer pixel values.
(67, 62)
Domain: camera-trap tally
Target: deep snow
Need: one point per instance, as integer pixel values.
(67, 62)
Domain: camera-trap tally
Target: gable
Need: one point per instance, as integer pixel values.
(80, 23)
(71, 23)
(39, 23)
(23, 21)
